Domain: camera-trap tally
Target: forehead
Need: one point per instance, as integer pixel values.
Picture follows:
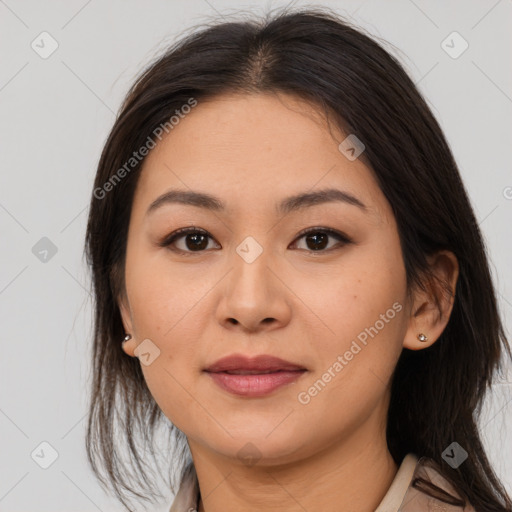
(254, 149)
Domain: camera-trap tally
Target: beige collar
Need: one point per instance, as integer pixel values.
(396, 492)
(401, 496)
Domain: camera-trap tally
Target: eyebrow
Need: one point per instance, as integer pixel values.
(287, 205)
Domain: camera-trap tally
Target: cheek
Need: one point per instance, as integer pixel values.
(166, 309)
(361, 313)
(354, 368)
(161, 294)
(366, 290)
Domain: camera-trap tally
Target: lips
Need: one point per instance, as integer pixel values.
(250, 372)
(253, 377)
(242, 365)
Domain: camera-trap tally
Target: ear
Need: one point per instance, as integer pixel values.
(126, 316)
(431, 309)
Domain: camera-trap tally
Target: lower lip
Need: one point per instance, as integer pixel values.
(254, 385)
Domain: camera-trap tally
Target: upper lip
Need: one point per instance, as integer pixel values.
(262, 362)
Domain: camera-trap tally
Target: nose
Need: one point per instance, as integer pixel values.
(253, 296)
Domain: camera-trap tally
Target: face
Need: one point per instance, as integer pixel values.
(319, 283)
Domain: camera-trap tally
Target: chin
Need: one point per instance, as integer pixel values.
(256, 448)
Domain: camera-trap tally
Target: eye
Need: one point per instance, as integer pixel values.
(317, 239)
(195, 240)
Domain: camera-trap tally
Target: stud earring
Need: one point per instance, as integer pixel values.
(422, 337)
(127, 337)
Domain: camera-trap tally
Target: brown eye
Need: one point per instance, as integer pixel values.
(196, 241)
(190, 240)
(317, 239)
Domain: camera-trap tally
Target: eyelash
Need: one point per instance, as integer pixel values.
(180, 233)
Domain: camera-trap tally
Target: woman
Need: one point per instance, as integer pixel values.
(280, 237)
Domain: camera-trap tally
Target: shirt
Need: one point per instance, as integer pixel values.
(402, 495)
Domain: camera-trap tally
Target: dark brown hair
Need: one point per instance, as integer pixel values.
(436, 393)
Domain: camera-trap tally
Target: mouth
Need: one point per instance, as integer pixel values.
(253, 385)
(253, 377)
(253, 372)
(252, 365)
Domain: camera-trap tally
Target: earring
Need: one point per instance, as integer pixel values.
(422, 337)
(127, 337)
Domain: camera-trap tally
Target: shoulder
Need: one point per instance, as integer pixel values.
(430, 490)
(187, 496)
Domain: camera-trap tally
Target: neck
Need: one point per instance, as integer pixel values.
(354, 475)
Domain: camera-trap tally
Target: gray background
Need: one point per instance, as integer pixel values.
(55, 114)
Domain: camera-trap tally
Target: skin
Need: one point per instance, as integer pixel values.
(252, 151)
